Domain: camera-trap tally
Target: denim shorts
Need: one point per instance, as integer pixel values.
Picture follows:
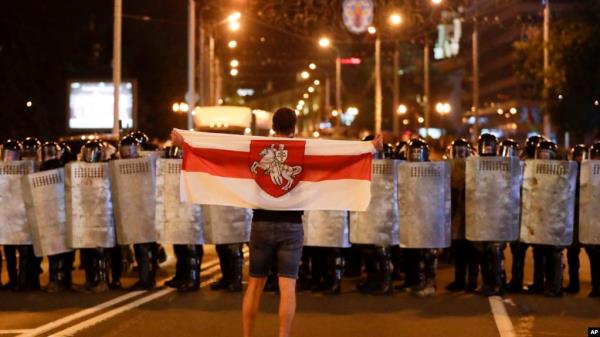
(276, 242)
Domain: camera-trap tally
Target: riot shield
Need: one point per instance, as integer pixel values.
(45, 204)
(176, 222)
(548, 202)
(90, 221)
(589, 203)
(493, 198)
(226, 224)
(13, 218)
(424, 203)
(378, 225)
(326, 229)
(133, 194)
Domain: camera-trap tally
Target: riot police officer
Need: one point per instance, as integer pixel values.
(551, 255)
(11, 151)
(145, 252)
(60, 265)
(418, 151)
(593, 251)
(518, 249)
(578, 153)
(189, 256)
(466, 259)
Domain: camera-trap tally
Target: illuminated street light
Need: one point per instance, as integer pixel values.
(301, 102)
(500, 111)
(297, 111)
(175, 107)
(29, 104)
(395, 19)
(405, 121)
(316, 134)
(234, 16)
(443, 108)
(372, 30)
(420, 120)
(232, 44)
(596, 103)
(334, 113)
(234, 63)
(402, 109)
(184, 107)
(305, 96)
(233, 72)
(311, 89)
(316, 82)
(304, 74)
(312, 66)
(513, 111)
(234, 26)
(324, 42)
(436, 2)
(352, 111)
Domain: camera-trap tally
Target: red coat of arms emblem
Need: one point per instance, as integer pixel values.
(276, 165)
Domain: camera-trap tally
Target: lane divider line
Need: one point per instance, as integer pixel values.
(129, 306)
(92, 310)
(13, 331)
(503, 322)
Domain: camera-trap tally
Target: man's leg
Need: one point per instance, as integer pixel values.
(252, 302)
(287, 305)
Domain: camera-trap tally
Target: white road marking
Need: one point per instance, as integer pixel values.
(503, 322)
(92, 310)
(114, 312)
(13, 331)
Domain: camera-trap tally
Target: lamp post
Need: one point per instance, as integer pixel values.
(118, 17)
(191, 96)
(324, 42)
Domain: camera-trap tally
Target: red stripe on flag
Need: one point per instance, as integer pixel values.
(235, 164)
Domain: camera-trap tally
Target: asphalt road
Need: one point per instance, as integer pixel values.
(164, 312)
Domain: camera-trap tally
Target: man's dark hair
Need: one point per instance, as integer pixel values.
(284, 121)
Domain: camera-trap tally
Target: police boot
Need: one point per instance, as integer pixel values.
(25, 266)
(517, 250)
(372, 269)
(460, 266)
(237, 268)
(411, 269)
(335, 270)
(473, 264)
(593, 252)
(35, 271)
(428, 273)
(494, 271)
(554, 272)
(353, 257)
(116, 267)
(304, 272)
(384, 277)
(180, 267)
(69, 259)
(319, 269)
(538, 271)
(396, 253)
(145, 260)
(100, 271)
(573, 261)
(191, 280)
(10, 254)
(53, 284)
(224, 261)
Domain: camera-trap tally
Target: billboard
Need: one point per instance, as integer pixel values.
(91, 105)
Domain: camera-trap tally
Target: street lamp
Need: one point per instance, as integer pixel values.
(324, 42)
(232, 44)
(395, 19)
(402, 109)
(436, 2)
(233, 72)
(312, 66)
(443, 108)
(234, 63)
(372, 30)
(305, 74)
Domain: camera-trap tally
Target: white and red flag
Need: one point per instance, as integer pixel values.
(275, 173)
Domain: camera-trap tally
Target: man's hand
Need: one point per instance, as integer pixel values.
(378, 142)
(176, 139)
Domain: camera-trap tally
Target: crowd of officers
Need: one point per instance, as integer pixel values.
(322, 268)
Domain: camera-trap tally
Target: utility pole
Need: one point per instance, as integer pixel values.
(426, 86)
(475, 45)
(211, 67)
(201, 65)
(118, 17)
(191, 96)
(338, 84)
(378, 106)
(546, 93)
(396, 93)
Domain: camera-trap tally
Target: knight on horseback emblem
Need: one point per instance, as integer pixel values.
(273, 163)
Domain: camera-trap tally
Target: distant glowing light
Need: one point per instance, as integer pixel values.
(232, 44)
(372, 30)
(311, 89)
(184, 107)
(234, 16)
(233, 72)
(324, 42)
(436, 2)
(234, 63)
(560, 97)
(29, 104)
(420, 120)
(305, 96)
(402, 109)
(234, 26)
(513, 111)
(305, 74)
(499, 111)
(395, 19)
(317, 82)
(596, 103)
(297, 111)
(175, 107)
(247, 131)
(312, 66)
(334, 113)
(316, 134)
(405, 121)
(352, 111)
